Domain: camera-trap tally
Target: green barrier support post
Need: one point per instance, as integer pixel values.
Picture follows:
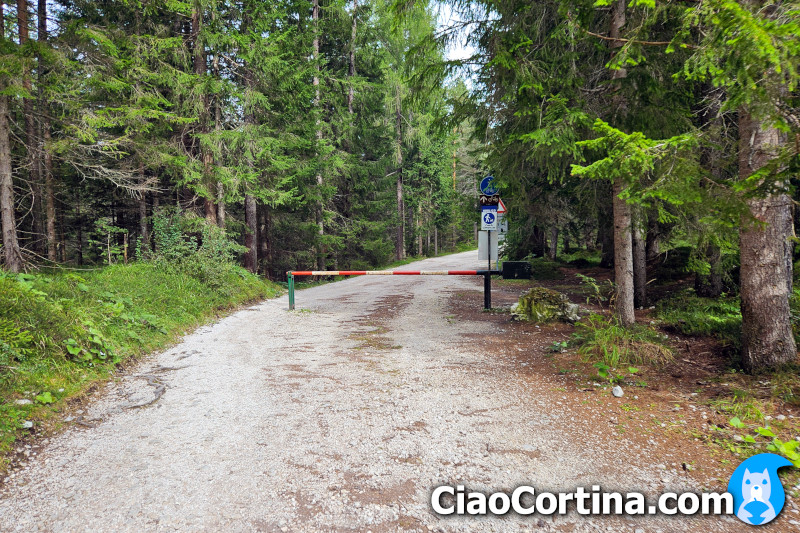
(291, 291)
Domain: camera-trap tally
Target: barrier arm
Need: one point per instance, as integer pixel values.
(487, 278)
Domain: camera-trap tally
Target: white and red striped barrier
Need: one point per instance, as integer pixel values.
(487, 276)
(386, 272)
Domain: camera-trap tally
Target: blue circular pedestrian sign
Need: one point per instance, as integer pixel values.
(488, 218)
(488, 187)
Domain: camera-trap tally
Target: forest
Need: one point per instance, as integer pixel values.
(219, 139)
(289, 125)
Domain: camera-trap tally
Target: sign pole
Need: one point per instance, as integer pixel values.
(487, 290)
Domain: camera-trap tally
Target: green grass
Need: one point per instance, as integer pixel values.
(693, 315)
(60, 332)
(601, 339)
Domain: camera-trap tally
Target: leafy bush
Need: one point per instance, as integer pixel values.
(209, 259)
(601, 339)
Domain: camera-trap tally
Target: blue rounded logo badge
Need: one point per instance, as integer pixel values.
(758, 495)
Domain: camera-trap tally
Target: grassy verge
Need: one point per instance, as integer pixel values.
(61, 332)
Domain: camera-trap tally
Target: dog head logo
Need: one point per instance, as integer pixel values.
(758, 495)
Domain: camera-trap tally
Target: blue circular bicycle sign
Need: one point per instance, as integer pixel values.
(488, 187)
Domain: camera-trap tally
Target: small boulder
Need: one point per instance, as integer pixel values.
(617, 392)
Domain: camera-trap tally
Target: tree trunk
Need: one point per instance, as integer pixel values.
(539, 241)
(11, 252)
(47, 162)
(317, 102)
(639, 265)
(352, 70)
(31, 141)
(221, 214)
(400, 245)
(623, 258)
(419, 230)
(251, 237)
(553, 249)
(144, 238)
(623, 245)
(765, 256)
(263, 235)
(79, 221)
(435, 240)
(220, 192)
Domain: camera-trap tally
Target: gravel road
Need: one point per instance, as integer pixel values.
(340, 416)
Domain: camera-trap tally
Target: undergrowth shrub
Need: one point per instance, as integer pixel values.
(697, 316)
(186, 244)
(601, 339)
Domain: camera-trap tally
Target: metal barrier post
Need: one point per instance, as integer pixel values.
(291, 291)
(487, 290)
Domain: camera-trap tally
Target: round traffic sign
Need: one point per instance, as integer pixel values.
(488, 187)
(488, 218)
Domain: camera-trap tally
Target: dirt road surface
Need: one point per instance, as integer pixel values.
(340, 416)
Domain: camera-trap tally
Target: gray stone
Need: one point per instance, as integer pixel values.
(23, 401)
(617, 391)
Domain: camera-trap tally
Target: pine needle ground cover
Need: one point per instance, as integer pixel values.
(62, 332)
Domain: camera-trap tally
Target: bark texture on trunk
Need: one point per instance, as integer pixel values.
(552, 251)
(623, 240)
(144, 237)
(765, 256)
(8, 220)
(623, 258)
(251, 237)
(221, 213)
(11, 252)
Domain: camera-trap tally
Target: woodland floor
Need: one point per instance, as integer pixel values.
(343, 415)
